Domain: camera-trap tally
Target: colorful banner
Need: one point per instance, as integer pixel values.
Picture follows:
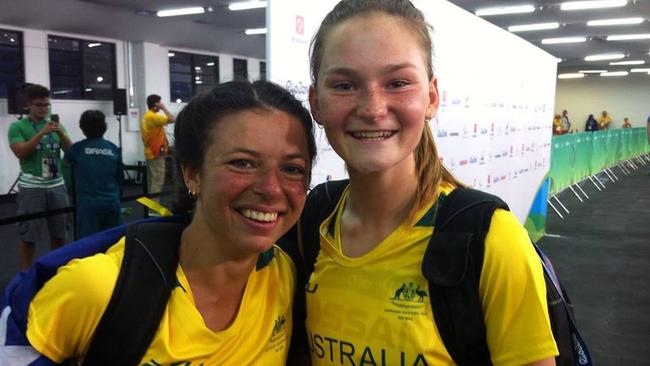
(562, 162)
(583, 155)
(536, 221)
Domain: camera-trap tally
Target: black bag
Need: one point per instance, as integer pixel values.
(144, 283)
(452, 266)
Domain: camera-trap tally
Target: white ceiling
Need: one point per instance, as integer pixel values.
(222, 30)
(574, 23)
(219, 31)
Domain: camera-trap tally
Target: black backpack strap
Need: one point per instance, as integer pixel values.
(302, 243)
(452, 265)
(319, 205)
(145, 281)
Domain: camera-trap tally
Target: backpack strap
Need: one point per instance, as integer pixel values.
(452, 265)
(319, 205)
(302, 243)
(144, 284)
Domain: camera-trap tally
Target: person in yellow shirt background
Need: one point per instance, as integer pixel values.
(604, 121)
(156, 146)
(558, 129)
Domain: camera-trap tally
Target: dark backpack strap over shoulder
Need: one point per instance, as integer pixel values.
(452, 265)
(302, 243)
(144, 284)
(320, 203)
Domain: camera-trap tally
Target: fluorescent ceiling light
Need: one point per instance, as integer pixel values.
(91, 45)
(635, 62)
(171, 54)
(210, 64)
(640, 70)
(609, 56)
(574, 75)
(563, 40)
(619, 21)
(532, 27)
(181, 11)
(582, 5)
(614, 73)
(253, 31)
(245, 5)
(501, 10)
(592, 71)
(627, 37)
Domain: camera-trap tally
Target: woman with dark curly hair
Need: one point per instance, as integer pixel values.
(244, 153)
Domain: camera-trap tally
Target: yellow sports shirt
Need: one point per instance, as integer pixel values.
(375, 310)
(153, 134)
(65, 312)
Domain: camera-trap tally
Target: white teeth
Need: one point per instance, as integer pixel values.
(372, 135)
(260, 216)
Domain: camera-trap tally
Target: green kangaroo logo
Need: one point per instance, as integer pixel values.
(399, 292)
(421, 294)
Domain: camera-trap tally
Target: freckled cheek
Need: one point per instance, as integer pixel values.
(296, 193)
(411, 112)
(230, 185)
(334, 110)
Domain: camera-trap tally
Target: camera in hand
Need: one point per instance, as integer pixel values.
(54, 118)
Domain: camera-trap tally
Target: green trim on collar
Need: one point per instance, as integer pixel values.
(429, 218)
(264, 259)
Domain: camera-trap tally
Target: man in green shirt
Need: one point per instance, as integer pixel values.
(37, 142)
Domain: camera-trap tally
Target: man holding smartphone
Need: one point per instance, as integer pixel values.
(37, 141)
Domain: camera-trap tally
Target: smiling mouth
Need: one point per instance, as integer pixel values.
(372, 135)
(259, 216)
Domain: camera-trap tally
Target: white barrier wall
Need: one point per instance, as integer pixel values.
(497, 93)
